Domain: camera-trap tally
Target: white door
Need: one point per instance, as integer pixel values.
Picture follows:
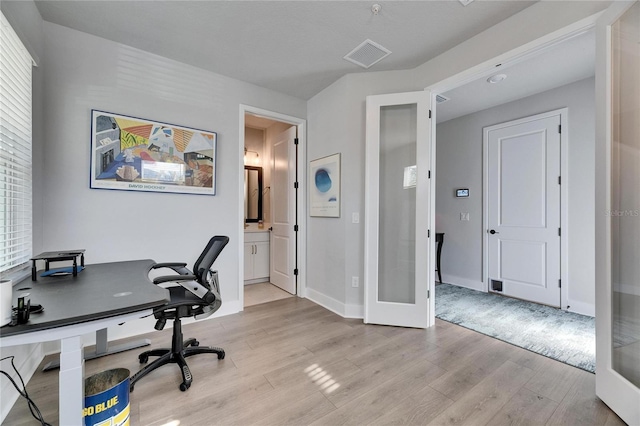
(523, 208)
(398, 250)
(617, 210)
(283, 236)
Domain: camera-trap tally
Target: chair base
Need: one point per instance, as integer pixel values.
(177, 354)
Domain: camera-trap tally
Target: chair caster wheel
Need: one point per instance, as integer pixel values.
(184, 387)
(130, 388)
(143, 358)
(221, 356)
(196, 343)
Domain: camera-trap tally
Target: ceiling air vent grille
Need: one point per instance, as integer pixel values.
(367, 54)
(440, 99)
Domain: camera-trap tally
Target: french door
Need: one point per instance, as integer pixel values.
(398, 230)
(618, 210)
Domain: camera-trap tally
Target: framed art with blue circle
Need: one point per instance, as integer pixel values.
(324, 191)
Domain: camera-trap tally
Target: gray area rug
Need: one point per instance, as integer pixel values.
(564, 336)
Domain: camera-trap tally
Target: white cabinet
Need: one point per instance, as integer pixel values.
(256, 257)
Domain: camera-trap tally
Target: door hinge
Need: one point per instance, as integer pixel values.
(559, 128)
(429, 174)
(559, 233)
(559, 180)
(428, 294)
(295, 141)
(295, 185)
(428, 233)
(429, 113)
(559, 283)
(295, 228)
(295, 271)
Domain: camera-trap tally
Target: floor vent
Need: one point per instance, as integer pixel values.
(367, 54)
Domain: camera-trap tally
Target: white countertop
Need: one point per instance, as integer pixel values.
(253, 227)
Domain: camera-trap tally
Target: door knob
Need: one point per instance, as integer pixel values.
(493, 231)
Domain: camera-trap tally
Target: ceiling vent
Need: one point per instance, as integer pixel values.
(367, 54)
(440, 99)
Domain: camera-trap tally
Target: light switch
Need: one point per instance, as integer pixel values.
(464, 216)
(355, 217)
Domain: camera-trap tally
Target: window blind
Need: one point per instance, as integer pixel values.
(15, 152)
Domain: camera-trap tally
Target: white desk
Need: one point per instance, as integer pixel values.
(101, 296)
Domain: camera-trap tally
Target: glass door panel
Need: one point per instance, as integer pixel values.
(625, 196)
(397, 209)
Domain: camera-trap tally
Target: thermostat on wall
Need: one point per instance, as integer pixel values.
(463, 192)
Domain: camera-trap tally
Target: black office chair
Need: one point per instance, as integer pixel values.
(197, 295)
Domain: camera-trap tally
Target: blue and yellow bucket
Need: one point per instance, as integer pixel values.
(106, 398)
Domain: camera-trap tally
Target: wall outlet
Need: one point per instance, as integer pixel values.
(355, 282)
(464, 216)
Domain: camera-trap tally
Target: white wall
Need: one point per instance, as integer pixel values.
(86, 72)
(337, 124)
(459, 165)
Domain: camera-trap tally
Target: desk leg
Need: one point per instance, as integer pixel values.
(71, 377)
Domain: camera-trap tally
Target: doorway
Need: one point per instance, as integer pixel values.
(516, 92)
(271, 193)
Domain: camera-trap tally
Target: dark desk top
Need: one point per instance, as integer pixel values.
(100, 291)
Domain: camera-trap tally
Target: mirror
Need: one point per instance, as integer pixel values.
(252, 193)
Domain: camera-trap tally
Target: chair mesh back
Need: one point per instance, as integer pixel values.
(207, 257)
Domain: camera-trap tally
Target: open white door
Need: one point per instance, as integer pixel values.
(617, 200)
(398, 250)
(283, 235)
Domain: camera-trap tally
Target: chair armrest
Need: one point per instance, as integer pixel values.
(171, 265)
(189, 282)
(173, 278)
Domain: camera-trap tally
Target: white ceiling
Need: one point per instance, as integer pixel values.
(565, 63)
(293, 47)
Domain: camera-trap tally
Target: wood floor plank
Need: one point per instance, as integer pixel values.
(553, 380)
(580, 405)
(371, 405)
(418, 409)
(487, 398)
(526, 408)
(304, 412)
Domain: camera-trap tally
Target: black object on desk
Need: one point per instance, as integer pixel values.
(57, 256)
(439, 241)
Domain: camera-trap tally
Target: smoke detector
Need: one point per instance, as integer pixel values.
(367, 54)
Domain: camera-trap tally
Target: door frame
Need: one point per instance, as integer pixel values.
(564, 196)
(485, 69)
(301, 210)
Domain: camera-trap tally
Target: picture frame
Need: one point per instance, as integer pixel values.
(137, 154)
(324, 191)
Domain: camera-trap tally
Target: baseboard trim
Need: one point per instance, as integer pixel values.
(335, 306)
(579, 308)
(463, 282)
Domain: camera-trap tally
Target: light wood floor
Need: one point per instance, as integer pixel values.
(255, 294)
(291, 362)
